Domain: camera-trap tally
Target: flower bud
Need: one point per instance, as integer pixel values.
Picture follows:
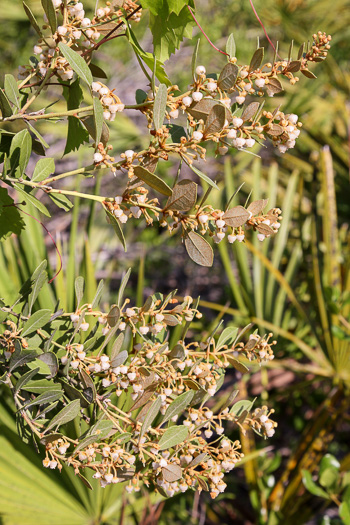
(187, 101)
(62, 30)
(240, 100)
(197, 135)
(129, 154)
(249, 143)
(200, 70)
(197, 96)
(260, 82)
(237, 122)
(98, 157)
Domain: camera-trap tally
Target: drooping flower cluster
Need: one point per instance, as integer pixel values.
(110, 102)
(217, 223)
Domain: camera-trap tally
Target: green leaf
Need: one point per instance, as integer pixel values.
(77, 395)
(77, 63)
(122, 287)
(155, 6)
(274, 86)
(228, 77)
(42, 170)
(231, 46)
(32, 200)
(159, 107)
(50, 13)
(79, 289)
(308, 73)
(311, 486)
(77, 135)
(89, 123)
(250, 111)
(294, 66)
(257, 59)
(178, 352)
(329, 471)
(12, 92)
(176, 132)
(152, 180)
(344, 512)
(194, 59)
(23, 380)
(113, 316)
(237, 365)
(140, 96)
(5, 106)
(241, 406)
(35, 321)
(230, 399)
(150, 416)
(329, 478)
(176, 6)
(119, 359)
(236, 216)
(173, 436)
(102, 428)
(69, 412)
(20, 150)
(227, 337)
(89, 389)
(97, 71)
(21, 358)
(216, 120)
(10, 218)
(50, 359)
(98, 295)
(178, 405)
(172, 472)
(32, 19)
(199, 249)
(116, 226)
(202, 176)
(329, 461)
(61, 201)
(169, 29)
(148, 58)
(45, 397)
(118, 343)
(39, 386)
(184, 196)
(98, 118)
(43, 367)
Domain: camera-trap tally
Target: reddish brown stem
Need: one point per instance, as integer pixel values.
(108, 35)
(206, 36)
(262, 25)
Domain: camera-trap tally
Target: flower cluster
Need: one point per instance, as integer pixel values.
(10, 338)
(217, 223)
(262, 421)
(77, 30)
(154, 421)
(110, 102)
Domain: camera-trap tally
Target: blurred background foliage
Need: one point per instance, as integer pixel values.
(296, 285)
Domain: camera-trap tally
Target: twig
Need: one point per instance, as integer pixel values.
(206, 36)
(262, 25)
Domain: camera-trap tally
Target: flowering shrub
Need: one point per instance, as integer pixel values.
(143, 403)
